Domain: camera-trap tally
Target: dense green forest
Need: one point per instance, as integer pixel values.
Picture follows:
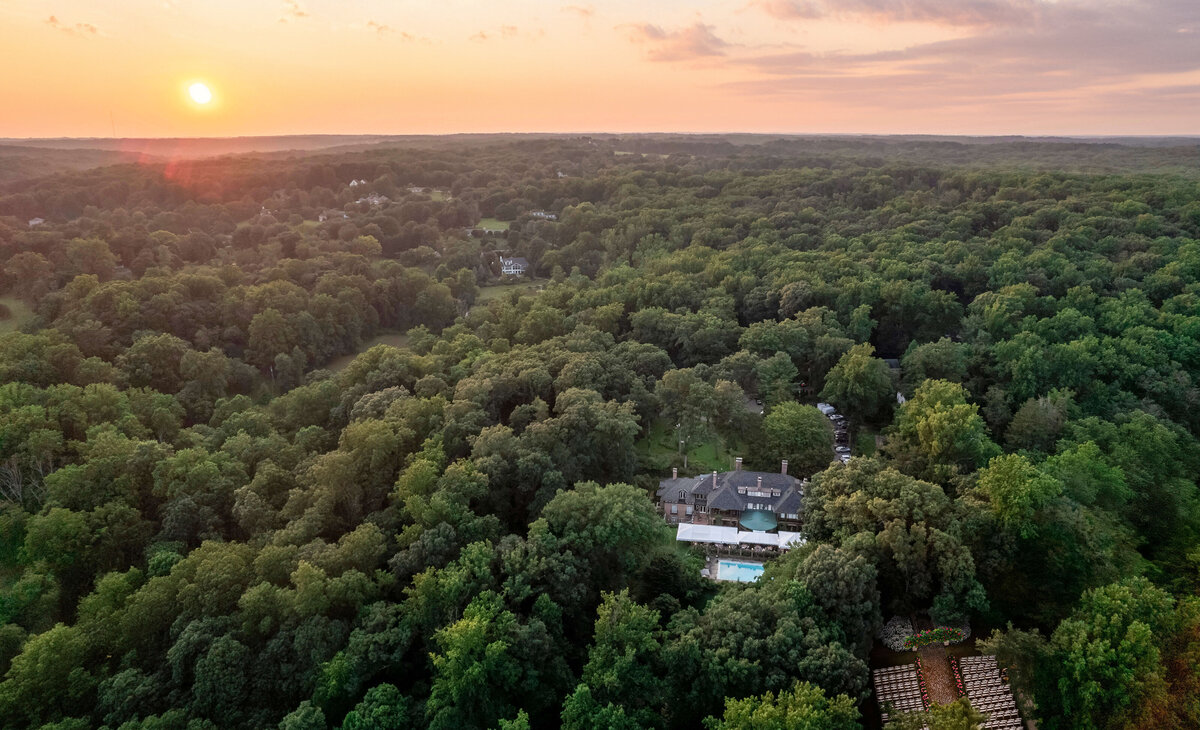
(202, 525)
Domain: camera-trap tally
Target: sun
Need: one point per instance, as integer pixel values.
(200, 93)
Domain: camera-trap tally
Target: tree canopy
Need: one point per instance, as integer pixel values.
(281, 445)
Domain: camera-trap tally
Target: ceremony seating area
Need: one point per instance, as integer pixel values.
(989, 694)
(898, 689)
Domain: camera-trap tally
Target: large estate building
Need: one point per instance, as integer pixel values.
(746, 506)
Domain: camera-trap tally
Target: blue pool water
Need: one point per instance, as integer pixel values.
(739, 571)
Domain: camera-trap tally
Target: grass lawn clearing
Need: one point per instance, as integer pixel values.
(660, 448)
(492, 224)
(395, 339)
(20, 314)
(493, 291)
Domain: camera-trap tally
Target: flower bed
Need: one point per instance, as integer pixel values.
(934, 636)
(898, 635)
(958, 681)
(924, 687)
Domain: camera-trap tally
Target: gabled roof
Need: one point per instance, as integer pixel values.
(727, 499)
(668, 489)
(748, 479)
(791, 503)
(732, 490)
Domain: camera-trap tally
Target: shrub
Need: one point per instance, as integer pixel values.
(895, 633)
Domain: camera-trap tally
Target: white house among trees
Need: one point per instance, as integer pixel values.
(514, 266)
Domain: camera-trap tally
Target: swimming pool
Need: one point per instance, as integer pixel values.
(739, 571)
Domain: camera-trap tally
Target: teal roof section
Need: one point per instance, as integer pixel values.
(759, 520)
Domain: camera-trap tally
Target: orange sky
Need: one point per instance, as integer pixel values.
(78, 68)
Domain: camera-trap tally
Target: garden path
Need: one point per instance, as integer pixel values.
(939, 678)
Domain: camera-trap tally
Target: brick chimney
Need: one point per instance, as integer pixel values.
(714, 479)
(783, 467)
(760, 482)
(674, 472)
(737, 463)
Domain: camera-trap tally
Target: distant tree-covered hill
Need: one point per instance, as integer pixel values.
(23, 162)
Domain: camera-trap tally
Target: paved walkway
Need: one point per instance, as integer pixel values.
(939, 678)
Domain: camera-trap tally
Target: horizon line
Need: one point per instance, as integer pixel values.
(1004, 135)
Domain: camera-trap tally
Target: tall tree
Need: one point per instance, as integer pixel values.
(1102, 667)
(488, 665)
(623, 681)
(1017, 490)
(844, 584)
(908, 528)
(861, 385)
(690, 403)
(938, 435)
(803, 707)
(776, 379)
(801, 434)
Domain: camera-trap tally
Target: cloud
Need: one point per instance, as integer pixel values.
(942, 12)
(292, 11)
(382, 29)
(584, 11)
(691, 43)
(1068, 52)
(78, 29)
(789, 9)
(507, 32)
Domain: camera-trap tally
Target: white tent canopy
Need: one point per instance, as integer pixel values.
(734, 536)
(790, 540)
(706, 533)
(757, 538)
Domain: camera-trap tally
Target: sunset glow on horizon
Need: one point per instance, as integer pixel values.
(1087, 67)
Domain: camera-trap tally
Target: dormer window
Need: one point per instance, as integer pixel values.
(681, 495)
